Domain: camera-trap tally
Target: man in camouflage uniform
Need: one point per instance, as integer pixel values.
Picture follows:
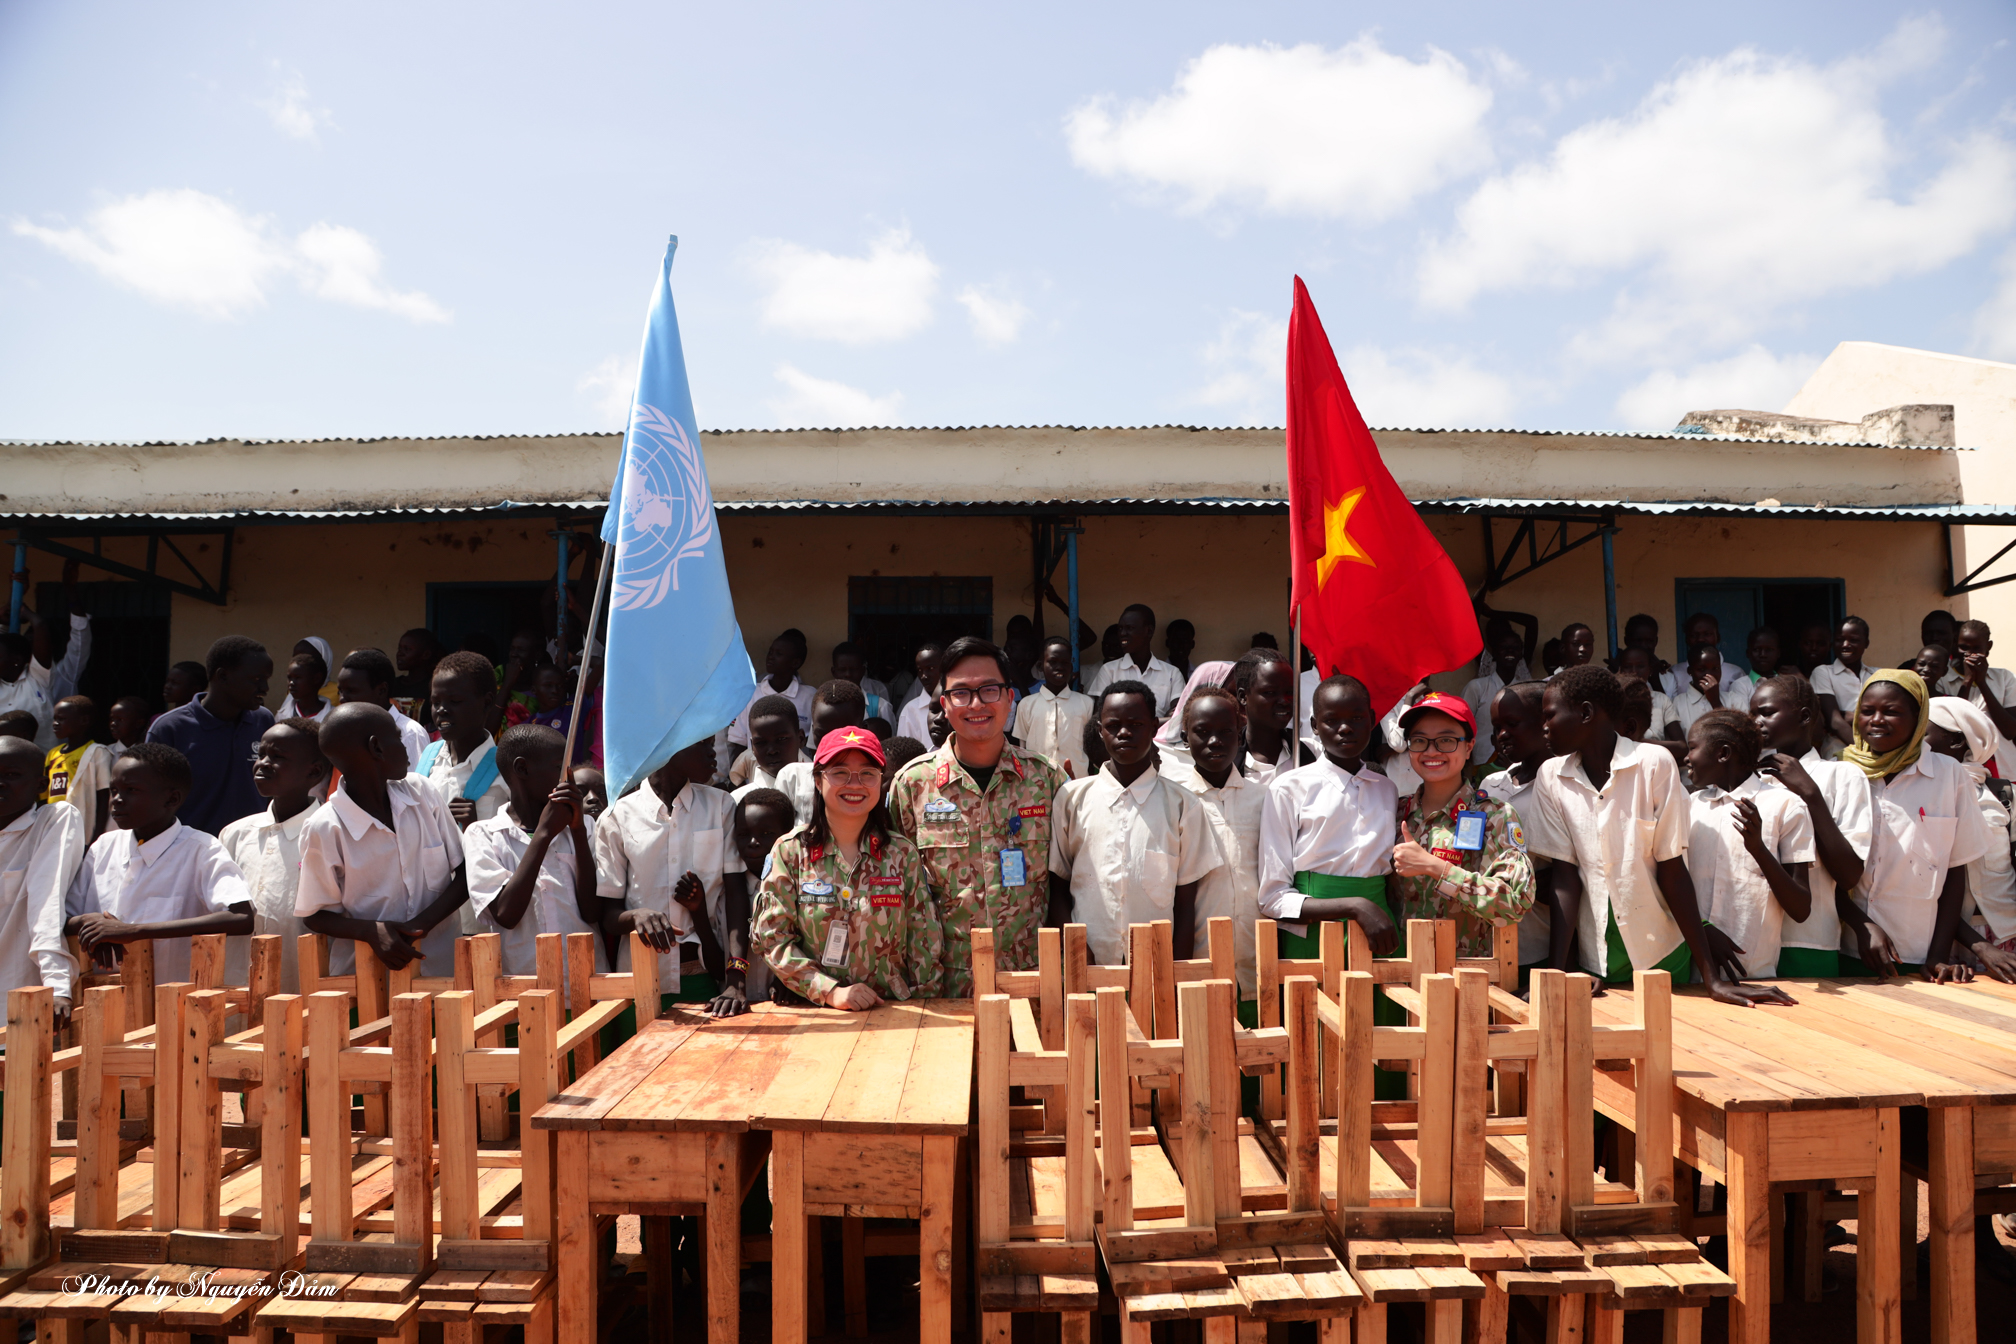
(978, 810)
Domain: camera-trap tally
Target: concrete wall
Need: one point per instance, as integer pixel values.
(1863, 376)
(362, 584)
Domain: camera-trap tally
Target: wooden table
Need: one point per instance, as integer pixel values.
(1957, 1043)
(1768, 1095)
(861, 1111)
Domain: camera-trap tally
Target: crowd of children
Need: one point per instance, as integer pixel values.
(838, 840)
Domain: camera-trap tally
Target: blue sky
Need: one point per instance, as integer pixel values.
(321, 220)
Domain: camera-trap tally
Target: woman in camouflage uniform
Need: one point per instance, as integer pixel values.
(1461, 854)
(845, 917)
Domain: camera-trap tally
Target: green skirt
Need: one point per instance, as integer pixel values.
(1617, 968)
(1386, 1085)
(1854, 968)
(1808, 963)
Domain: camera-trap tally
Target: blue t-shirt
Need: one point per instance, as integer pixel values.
(220, 756)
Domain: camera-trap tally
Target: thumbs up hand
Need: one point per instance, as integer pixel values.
(1411, 860)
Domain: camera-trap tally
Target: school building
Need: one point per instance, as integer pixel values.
(1887, 489)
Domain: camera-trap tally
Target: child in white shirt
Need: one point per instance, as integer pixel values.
(288, 768)
(525, 880)
(1052, 721)
(1749, 846)
(1126, 846)
(1613, 816)
(663, 850)
(1232, 806)
(1707, 689)
(381, 862)
(462, 764)
(155, 878)
(41, 849)
(1960, 730)
(1838, 805)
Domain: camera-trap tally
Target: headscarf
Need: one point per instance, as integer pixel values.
(1207, 674)
(1967, 719)
(1859, 753)
(328, 655)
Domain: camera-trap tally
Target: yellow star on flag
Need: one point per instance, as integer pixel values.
(1338, 544)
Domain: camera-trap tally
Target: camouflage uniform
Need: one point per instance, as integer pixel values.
(961, 834)
(894, 944)
(1490, 886)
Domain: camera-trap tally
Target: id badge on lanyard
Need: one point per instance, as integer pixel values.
(1469, 831)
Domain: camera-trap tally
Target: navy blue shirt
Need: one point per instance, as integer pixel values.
(220, 755)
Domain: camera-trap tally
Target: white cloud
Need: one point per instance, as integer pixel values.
(821, 403)
(1736, 190)
(1357, 132)
(1751, 380)
(997, 316)
(1245, 368)
(1995, 322)
(610, 385)
(883, 296)
(1412, 388)
(291, 112)
(341, 265)
(1246, 373)
(190, 250)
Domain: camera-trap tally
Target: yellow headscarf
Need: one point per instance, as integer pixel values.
(1890, 762)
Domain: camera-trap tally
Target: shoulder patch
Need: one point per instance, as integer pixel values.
(1517, 833)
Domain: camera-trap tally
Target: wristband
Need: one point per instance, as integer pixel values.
(738, 964)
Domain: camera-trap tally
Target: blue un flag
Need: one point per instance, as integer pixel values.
(676, 670)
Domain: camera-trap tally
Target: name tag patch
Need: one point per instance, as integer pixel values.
(885, 900)
(1454, 856)
(1039, 810)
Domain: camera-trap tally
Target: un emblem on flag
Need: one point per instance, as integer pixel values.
(668, 512)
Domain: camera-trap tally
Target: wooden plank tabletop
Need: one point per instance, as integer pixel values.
(1846, 1044)
(904, 1068)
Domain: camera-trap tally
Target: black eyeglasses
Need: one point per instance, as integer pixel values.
(963, 696)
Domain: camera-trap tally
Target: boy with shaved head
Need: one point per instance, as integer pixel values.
(381, 863)
(40, 851)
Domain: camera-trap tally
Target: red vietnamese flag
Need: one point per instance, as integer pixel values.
(1378, 596)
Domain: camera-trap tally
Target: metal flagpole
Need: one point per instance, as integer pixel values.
(1295, 696)
(587, 642)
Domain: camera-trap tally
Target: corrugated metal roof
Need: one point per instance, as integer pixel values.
(1688, 434)
(1956, 513)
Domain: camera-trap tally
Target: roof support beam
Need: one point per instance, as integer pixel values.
(1972, 580)
(197, 585)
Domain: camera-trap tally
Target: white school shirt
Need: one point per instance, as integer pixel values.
(798, 693)
(1845, 790)
(1928, 820)
(1536, 926)
(1690, 705)
(289, 710)
(2001, 685)
(1125, 849)
(268, 853)
(1991, 879)
(870, 686)
(1158, 676)
(39, 687)
(1322, 818)
(1232, 889)
(642, 849)
(1729, 885)
(1846, 687)
(40, 853)
(1663, 713)
(747, 774)
(1674, 679)
(415, 738)
(495, 847)
(915, 720)
(179, 874)
(1617, 836)
(351, 864)
(1053, 726)
(1264, 773)
(795, 782)
(449, 778)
